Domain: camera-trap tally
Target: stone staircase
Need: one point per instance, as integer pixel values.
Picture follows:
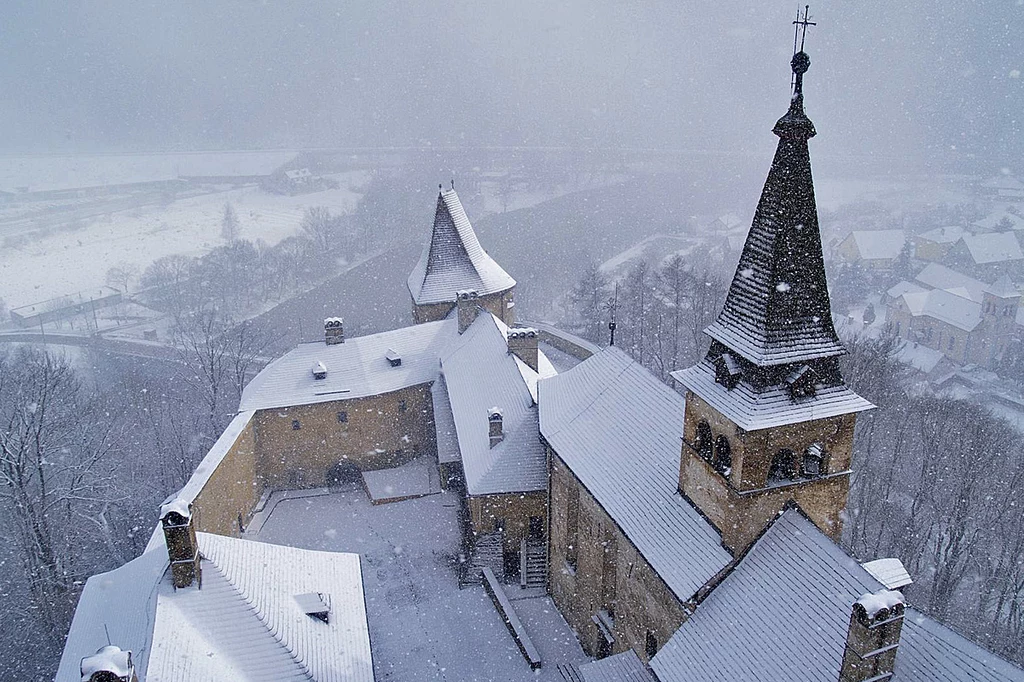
(487, 552)
(569, 672)
(533, 563)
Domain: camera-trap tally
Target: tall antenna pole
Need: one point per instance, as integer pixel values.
(611, 323)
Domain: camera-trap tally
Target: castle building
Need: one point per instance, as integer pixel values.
(714, 559)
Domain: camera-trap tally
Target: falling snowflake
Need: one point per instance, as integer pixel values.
(747, 273)
(782, 287)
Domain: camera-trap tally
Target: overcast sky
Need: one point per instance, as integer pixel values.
(927, 78)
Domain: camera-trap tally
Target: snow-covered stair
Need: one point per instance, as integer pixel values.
(488, 551)
(534, 563)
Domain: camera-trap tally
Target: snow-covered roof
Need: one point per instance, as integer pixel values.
(944, 306)
(920, 357)
(244, 624)
(786, 607)
(624, 667)
(999, 220)
(753, 410)
(1003, 288)
(357, 368)
(900, 288)
(618, 429)
(1004, 181)
(878, 244)
(481, 374)
(950, 234)
(454, 259)
(993, 247)
(936, 276)
(890, 572)
(444, 423)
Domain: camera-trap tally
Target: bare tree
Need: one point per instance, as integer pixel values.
(55, 477)
(587, 300)
(122, 275)
(229, 226)
(318, 226)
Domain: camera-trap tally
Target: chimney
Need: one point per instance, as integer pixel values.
(182, 547)
(109, 664)
(874, 636)
(319, 371)
(494, 426)
(468, 308)
(334, 330)
(522, 342)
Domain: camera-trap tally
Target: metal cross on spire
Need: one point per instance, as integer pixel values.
(800, 28)
(801, 61)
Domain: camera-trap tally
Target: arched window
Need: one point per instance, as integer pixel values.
(704, 440)
(723, 456)
(781, 468)
(814, 461)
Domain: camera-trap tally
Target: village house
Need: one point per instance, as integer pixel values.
(967, 320)
(934, 245)
(987, 255)
(873, 249)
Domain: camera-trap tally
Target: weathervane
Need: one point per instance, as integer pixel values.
(801, 61)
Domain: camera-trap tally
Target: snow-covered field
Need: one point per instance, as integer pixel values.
(422, 626)
(69, 261)
(39, 172)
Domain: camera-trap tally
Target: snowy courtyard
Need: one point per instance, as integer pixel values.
(422, 626)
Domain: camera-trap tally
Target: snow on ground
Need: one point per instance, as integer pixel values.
(71, 261)
(422, 627)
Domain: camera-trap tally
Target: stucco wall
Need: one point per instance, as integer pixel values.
(377, 434)
(231, 491)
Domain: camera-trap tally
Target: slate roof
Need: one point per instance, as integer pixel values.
(624, 667)
(355, 369)
(938, 276)
(787, 608)
(993, 247)
(902, 287)
(618, 429)
(945, 306)
(444, 423)
(244, 624)
(454, 259)
(878, 244)
(479, 374)
(752, 409)
(777, 310)
(1003, 288)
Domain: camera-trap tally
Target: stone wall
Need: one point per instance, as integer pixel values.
(513, 510)
(373, 433)
(610, 575)
(231, 490)
(741, 504)
(500, 304)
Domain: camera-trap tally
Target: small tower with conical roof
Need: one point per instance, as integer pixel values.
(769, 419)
(454, 261)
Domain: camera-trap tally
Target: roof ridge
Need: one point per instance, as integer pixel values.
(604, 388)
(263, 619)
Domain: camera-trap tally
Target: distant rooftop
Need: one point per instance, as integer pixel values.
(993, 247)
(879, 244)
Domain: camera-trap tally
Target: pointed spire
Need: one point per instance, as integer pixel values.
(454, 259)
(778, 309)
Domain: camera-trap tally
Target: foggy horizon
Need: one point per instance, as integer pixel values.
(932, 87)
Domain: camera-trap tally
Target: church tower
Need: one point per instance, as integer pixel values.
(769, 419)
(454, 261)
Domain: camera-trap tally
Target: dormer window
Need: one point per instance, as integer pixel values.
(394, 359)
(319, 371)
(800, 382)
(315, 605)
(727, 370)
